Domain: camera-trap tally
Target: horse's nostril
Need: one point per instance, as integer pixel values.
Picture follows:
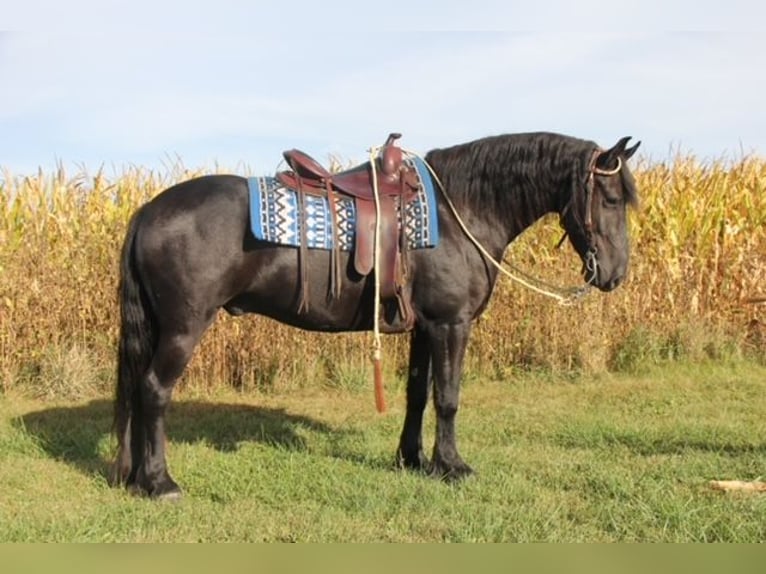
(614, 283)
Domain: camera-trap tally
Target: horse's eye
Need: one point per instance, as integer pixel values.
(611, 201)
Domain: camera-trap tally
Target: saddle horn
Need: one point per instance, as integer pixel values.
(391, 156)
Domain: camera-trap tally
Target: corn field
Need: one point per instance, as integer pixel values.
(695, 290)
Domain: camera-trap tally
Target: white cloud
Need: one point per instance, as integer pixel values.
(232, 96)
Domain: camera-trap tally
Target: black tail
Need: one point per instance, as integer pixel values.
(135, 349)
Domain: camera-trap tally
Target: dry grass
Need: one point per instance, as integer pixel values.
(699, 253)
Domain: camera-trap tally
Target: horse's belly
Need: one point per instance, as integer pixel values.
(334, 316)
(319, 316)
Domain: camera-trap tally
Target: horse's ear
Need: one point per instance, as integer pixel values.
(628, 153)
(608, 159)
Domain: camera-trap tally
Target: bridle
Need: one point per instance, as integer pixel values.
(562, 295)
(590, 260)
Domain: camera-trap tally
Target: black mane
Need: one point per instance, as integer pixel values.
(531, 166)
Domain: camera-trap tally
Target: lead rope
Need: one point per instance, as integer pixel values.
(564, 296)
(380, 400)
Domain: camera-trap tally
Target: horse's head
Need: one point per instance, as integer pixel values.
(595, 216)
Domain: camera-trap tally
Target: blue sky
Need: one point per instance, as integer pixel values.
(233, 83)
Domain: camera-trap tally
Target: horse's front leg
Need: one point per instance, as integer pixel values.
(410, 453)
(448, 344)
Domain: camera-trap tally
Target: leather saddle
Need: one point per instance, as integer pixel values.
(394, 177)
(397, 183)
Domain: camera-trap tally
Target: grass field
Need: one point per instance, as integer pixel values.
(620, 457)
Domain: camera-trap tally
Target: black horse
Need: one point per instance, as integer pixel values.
(189, 252)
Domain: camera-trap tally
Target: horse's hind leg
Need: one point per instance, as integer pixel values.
(173, 352)
(410, 453)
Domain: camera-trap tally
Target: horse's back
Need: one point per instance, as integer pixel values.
(196, 206)
(198, 195)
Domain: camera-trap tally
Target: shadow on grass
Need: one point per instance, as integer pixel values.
(649, 442)
(79, 435)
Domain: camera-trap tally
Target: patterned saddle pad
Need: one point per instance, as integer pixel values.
(276, 218)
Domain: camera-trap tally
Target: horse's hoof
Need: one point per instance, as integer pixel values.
(171, 496)
(417, 463)
(450, 472)
(166, 491)
(134, 490)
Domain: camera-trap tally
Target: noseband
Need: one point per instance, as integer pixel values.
(591, 255)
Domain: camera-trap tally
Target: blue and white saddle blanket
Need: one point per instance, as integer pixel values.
(275, 217)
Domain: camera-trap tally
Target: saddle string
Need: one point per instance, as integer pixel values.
(336, 279)
(303, 251)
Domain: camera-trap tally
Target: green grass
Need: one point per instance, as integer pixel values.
(617, 458)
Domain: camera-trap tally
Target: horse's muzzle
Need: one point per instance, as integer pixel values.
(595, 277)
(611, 284)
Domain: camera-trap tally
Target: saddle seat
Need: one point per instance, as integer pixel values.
(397, 183)
(394, 177)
